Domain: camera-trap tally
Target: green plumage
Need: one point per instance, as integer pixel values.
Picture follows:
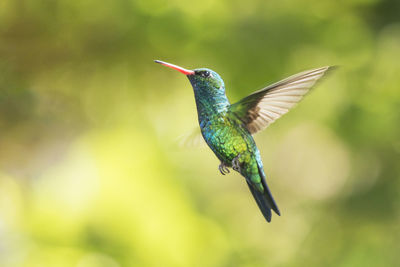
(228, 129)
(227, 137)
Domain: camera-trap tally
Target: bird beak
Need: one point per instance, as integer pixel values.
(175, 67)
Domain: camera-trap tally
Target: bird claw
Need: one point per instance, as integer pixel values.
(236, 163)
(223, 168)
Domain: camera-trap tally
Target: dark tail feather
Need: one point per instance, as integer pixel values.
(261, 202)
(264, 200)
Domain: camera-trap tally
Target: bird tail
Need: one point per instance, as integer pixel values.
(264, 200)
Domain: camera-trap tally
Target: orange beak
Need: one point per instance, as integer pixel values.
(175, 67)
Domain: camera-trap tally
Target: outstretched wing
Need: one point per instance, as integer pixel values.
(263, 107)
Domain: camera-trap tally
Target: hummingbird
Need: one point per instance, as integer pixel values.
(228, 129)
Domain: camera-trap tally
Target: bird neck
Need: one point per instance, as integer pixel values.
(210, 105)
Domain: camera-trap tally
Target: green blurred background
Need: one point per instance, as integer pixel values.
(90, 172)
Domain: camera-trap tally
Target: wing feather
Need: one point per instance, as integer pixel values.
(260, 109)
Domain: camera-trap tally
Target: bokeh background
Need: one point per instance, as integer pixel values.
(90, 170)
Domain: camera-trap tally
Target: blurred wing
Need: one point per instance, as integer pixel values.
(192, 139)
(263, 107)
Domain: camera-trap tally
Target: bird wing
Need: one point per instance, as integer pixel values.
(191, 139)
(263, 107)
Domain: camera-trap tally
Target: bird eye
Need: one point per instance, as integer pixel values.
(205, 74)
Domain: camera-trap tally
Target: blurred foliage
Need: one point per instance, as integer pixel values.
(89, 171)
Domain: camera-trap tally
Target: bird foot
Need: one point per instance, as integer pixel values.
(223, 168)
(236, 163)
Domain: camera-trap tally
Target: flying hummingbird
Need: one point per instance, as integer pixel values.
(228, 128)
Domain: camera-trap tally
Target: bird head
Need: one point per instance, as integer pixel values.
(204, 81)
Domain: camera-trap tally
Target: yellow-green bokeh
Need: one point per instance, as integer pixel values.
(91, 173)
